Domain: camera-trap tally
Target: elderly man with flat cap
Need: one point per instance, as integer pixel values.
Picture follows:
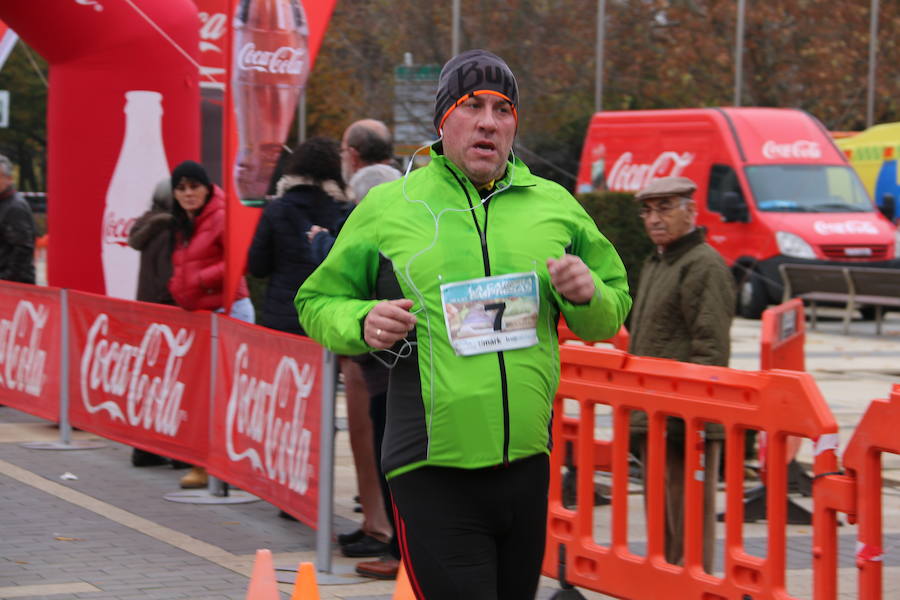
(683, 311)
(455, 276)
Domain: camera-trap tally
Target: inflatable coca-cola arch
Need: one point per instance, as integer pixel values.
(113, 61)
(99, 50)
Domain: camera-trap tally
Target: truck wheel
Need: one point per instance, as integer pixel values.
(752, 298)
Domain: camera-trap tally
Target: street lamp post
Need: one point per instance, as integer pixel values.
(598, 75)
(455, 28)
(739, 54)
(873, 49)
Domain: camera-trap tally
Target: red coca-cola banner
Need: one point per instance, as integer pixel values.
(29, 349)
(266, 418)
(271, 48)
(139, 374)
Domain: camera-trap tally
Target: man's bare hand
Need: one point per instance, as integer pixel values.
(571, 278)
(388, 322)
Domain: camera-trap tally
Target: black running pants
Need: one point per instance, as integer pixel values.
(473, 534)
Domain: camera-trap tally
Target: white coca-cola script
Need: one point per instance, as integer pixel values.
(22, 361)
(628, 176)
(796, 149)
(213, 28)
(845, 228)
(144, 377)
(116, 229)
(268, 417)
(283, 60)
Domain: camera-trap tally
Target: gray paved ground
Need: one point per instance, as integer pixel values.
(110, 534)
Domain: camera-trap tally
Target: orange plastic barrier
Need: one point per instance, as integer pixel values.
(858, 493)
(779, 402)
(783, 338)
(783, 335)
(618, 341)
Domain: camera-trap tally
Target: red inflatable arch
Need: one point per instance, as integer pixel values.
(104, 56)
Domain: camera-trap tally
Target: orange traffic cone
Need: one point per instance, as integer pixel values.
(262, 582)
(404, 590)
(305, 587)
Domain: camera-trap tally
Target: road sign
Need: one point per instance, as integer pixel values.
(414, 89)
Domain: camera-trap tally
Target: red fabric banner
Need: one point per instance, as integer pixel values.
(140, 374)
(241, 220)
(266, 418)
(29, 349)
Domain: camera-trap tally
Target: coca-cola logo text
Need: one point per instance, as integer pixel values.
(845, 228)
(144, 376)
(797, 149)
(116, 229)
(269, 417)
(284, 60)
(212, 30)
(21, 357)
(626, 176)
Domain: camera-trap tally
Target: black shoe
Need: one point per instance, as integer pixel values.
(350, 538)
(142, 458)
(367, 546)
(177, 464)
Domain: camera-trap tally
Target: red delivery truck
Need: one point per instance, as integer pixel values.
(771, 187)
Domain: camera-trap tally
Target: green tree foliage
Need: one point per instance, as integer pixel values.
(25, 140)
(809, 54)
(616, 216)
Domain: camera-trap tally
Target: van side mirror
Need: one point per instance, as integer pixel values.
(888, 207)
(734, 208)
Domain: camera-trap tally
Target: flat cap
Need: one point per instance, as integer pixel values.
(665, 187)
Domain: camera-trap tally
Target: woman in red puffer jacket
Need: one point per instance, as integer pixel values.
(198, 257)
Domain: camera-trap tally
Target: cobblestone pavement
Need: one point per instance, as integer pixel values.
(110, 534)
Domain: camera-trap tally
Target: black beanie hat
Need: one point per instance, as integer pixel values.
(473, 71)
(190, 170)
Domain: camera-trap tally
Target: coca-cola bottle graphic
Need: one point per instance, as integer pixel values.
(271, 64)
(141, 164)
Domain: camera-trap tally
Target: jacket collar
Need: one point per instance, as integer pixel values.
(515, 169)
(679, 247)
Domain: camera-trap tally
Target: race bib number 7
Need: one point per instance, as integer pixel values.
(492, 313)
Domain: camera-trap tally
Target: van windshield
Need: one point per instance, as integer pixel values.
(807, 188)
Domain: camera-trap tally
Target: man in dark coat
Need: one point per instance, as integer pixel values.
(16, 230)
(683, 311)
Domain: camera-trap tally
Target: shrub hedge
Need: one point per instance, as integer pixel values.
(616, 215)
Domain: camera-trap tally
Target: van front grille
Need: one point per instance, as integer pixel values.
(860, 252)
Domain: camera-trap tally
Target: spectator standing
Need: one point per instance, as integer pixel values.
(423, 271)
(151, 235)
(683, 311)
(366, 154)
(17, 230)
(198, 257)
(310, 193)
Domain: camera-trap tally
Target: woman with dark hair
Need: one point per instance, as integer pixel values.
(198, 257)
(151, 236)
(309, 193)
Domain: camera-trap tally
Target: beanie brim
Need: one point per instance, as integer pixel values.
(477, 93)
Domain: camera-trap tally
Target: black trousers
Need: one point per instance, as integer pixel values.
(473, 534)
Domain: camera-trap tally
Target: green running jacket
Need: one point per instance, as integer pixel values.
(408, 238)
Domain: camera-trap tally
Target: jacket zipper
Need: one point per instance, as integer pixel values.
(487, 273)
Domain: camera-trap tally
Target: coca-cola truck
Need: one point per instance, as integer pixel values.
(771, 187)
